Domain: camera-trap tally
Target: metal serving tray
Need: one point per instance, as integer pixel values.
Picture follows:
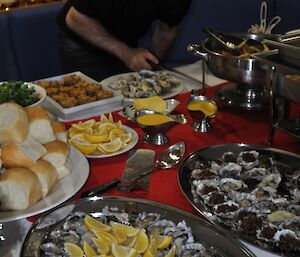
(203, 231)
(85, 110)
(214, 153)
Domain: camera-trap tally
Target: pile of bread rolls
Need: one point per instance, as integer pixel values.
(33, 155)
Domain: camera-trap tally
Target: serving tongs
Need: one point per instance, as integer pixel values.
(228, 42)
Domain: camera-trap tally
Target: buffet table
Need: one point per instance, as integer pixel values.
(229, 126)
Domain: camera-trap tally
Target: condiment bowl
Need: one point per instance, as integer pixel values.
(156, 127)
(40, 91)
(201, 109)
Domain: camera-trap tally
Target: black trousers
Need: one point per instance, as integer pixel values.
(94, 63)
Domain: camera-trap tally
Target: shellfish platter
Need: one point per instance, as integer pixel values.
(145, 83)
(121, 226)
(249, 190)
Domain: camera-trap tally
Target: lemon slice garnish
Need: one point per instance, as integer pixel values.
(142, 242)
(172, 252)
(122, 251)
(73, 131)
(88, 250)
(130, 242)
(163, 241)
(120, 234)
(96, 138)
(85, 147)
(152, 249)
(73, 250)
(94, 224)
(106, 128)
(129, 230)
(81, 126)
(102, 246)
(107, 237)
(110, 147)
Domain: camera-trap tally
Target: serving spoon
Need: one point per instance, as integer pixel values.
(167, 159)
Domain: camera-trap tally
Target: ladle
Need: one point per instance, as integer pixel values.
(167, 159)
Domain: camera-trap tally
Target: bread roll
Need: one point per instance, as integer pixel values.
(57, 153)
(39, 125)
(59, 130)
(46, 174)
(22, 155)
(13, 123)
(19, 189)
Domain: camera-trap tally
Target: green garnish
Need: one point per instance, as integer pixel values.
(18, 92)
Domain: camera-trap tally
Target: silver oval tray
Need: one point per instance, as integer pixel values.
(214, 153)
(202, 230)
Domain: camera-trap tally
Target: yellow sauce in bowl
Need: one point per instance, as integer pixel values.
(153, 119)
(209, 108)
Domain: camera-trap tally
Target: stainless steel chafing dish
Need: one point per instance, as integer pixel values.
(249, 74)
(285, 63)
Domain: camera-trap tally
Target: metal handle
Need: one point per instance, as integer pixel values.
(101, 189)
(196, 50)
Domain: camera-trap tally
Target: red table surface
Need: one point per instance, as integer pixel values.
(229, 126)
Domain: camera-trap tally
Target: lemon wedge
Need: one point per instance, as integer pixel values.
(142, 242)
(119, 233)
(122, 251)
(130, 242)
(84, 147)
(73, 131)
(152, 249)
(111, 147)
(96, 138)
(102, 246)
(73, 250)
(88, 250)
(107, 237)
(94, 224)
(172, 252)
(105, 128)
(129, 230)
(163, 241)
(81, 126)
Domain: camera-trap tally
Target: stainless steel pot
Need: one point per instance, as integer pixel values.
(232, 68)
(251, 75)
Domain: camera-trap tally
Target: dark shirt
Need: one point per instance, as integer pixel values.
(127, 20)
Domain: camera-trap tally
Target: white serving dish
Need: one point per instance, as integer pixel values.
(85, 110)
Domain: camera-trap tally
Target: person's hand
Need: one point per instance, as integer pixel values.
(136, 59)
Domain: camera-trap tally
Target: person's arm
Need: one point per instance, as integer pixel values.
(163, 38)
(94, 32)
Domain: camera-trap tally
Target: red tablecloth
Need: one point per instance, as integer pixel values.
(229, 126)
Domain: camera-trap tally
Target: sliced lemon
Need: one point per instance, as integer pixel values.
(73, 131)
(102, 246)
(107, 237)
(130, 242)
(105, 128)
(81, 126)
(86, 148)
(96, 138)
(163, 241)
(129, 230)
(94, 224)
(122, 251)
(152, 249)
(142, 242)
(110, 118)
(88, 250)
(110, 147)
(73, 250)
(172, 252)
(119, 233)
(103, 119)
(78, 137)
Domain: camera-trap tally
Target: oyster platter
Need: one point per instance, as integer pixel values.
(249, 190)
(122, 226)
